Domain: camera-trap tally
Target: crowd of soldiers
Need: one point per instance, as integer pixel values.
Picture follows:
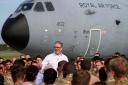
(78, 71)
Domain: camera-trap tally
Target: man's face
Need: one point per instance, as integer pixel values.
(8, 65)
(57, 48)
(39, 62)
(98, 65)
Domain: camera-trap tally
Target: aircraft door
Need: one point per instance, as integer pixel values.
(94, 42)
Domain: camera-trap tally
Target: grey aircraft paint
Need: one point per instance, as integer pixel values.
(84, 26)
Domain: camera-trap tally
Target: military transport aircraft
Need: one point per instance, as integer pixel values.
(84, 26)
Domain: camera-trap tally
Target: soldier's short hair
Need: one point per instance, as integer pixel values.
(60, 65)
(50, 76)
(119, 66)
(17, 72)
(80, 77)
(68, 68)
(86, 64)
(31, 73)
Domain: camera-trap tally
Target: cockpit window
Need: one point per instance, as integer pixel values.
(27, 6)
(39, 7)
(49, 6)
(24, 7)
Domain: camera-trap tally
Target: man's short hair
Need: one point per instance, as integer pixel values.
(60, 65)
(18, 72)
(68, 68)
(39, 56)
(50, 76)
(80, 77)
(59, 43)
(86, 64)
(119, 65)
(31, 73)
(8, 61)
(19, 62)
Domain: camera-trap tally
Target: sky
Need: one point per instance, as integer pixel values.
(6, 8)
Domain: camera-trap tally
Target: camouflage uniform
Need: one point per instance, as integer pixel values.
(8, 79)
(118, 82)
(110, 79)
(64, 81)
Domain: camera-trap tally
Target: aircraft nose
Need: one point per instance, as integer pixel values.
(15, 32)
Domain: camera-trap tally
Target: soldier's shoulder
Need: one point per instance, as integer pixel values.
(8, 79)
(59, 81)
(123, 82)
(63, 81)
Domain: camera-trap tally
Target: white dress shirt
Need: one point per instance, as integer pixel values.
(53, 60)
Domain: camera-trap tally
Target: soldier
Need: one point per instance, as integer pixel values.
(31, 73)
(86, 65)
(50, 76)
(18, 74)
(68, 70)
(7, 73)
(119, 67)
(80, 77)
